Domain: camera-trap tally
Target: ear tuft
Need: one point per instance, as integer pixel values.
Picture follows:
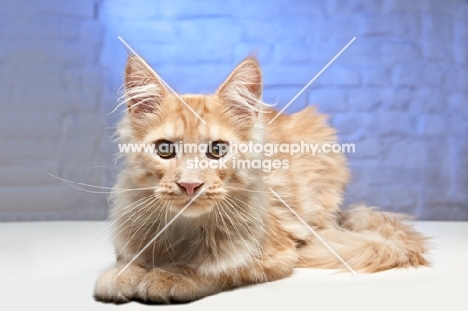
(243, 88)
(144, 91)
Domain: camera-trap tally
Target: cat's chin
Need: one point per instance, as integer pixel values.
(188, 213)
(194, 210)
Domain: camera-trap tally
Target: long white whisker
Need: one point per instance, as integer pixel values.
(160, 207)
(112, 233)
(69, 182)
(139, 227)
(228, 232)
(264, 224)
(254, 256)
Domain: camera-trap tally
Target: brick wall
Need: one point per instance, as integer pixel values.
(400, 92)
(51, 120)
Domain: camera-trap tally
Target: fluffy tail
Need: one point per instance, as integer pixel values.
(368, 241)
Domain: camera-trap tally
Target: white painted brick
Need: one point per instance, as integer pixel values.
(300, 8)
(328, 100)
(393, 175)
(28, 150)
(264, 51)
(438, 29)
(408, 75)
(458, 103)
(397, 99)
(91, 31)
(427, 100)
(40, 27)
(436, 52)
(340, 76)
(460, 54)
(402, 6)
(460, 165)
(140, 31)
(393, 148)
(337, 28)
(419, 74)
(432, 125)
(40, 100)
(366, 149)
(460, 10)
(138, 9)
(433, 74)
(398, 198)
(82, 9)
(460, 31)
(438, 162)
(291, 53)
(364, 99)
(168, 53)
(62, 53)
(346, 7)
(255, 31)
(26, 175)
(258, 10)
(361, 53)
(435, 7)
(400, 52)
(93, 80)
(377, 76)
(27, 126)
(195, 30)
(323, 51)
(202, 9)
(40, 77)
(394, 26)
(456, 79)
(355, 126)
(85, 126)
(436, 197)
(396, 123)
(289, 75)
(457, 125)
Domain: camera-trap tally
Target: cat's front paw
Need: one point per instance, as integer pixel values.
(162, 286)
(111, 287)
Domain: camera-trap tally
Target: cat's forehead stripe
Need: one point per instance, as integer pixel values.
(213, 131)
(168, 130)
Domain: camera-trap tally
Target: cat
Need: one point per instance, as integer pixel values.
(240, 228)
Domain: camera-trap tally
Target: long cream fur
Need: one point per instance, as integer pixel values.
(236, 232)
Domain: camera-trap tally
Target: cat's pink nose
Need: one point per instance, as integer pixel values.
(190, 187)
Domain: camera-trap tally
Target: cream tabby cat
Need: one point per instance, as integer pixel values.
(236, 232)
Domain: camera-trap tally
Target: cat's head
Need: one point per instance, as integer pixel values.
(175, 124)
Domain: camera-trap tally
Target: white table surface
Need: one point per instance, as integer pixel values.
(53, 266)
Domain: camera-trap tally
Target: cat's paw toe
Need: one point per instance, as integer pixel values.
(112, 287)
(160, 286)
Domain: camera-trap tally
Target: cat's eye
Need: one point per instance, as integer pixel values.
(217, 149)
(165, 149)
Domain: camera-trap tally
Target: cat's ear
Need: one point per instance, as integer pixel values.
(243, 88)
(144, 91)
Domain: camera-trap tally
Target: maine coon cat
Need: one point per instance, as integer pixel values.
(237, 231)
